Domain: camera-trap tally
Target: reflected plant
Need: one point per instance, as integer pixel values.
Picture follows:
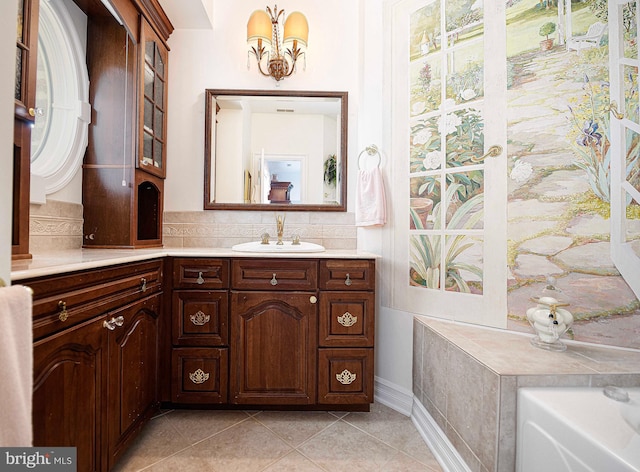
(426, 251)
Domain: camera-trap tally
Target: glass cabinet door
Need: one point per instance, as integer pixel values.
(26, 59)
(154, 98)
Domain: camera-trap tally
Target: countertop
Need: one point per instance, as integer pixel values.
(58, 262)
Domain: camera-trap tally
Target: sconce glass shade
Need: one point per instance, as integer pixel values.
(296, 28)
(259, 27)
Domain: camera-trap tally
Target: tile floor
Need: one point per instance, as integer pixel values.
(271, 441)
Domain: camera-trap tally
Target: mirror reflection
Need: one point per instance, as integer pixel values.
(275, 148)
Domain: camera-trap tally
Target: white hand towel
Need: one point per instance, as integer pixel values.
(371, 205)
(16, 366)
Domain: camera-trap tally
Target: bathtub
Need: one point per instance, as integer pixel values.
(576, 430)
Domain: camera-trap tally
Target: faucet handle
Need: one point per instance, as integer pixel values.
(295, 239)
(264, 237)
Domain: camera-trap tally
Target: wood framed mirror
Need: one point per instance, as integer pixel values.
(273, 149)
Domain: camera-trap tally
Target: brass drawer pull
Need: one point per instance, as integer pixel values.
(347, 319)
(274, 281)
(200, 279)
(199, 376)
(64, 314)
(199, 318)
(143, 285)
(345, 377)
(347, 281)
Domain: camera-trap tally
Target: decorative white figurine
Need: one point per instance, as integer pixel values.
(549, 320)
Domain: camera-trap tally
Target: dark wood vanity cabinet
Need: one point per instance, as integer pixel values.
(95, 358)
(125, 162)
(200, 331)
(346, 331)
(273, 332)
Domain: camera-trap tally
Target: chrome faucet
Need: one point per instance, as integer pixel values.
(280, 228)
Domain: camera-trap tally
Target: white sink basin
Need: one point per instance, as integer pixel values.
(286, 247)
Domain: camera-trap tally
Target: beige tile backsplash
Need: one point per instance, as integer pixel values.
(58, 225)
(55, 226)
(226, 228)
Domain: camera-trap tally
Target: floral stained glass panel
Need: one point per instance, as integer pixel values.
(464, 135)
(426, 148)
(424, 197)
(463, 264)
(465, 79)
(425, 264)
(426, 85)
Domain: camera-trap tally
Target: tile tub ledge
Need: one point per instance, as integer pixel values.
(467, 377)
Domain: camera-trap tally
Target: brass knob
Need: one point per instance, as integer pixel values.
(64, 314)
(143, 284)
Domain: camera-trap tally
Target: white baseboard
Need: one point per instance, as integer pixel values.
(393, 396)
(442, 449)
(403, 401)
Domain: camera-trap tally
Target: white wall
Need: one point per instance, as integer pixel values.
(217, 58)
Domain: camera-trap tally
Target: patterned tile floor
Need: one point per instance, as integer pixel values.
(270, 441)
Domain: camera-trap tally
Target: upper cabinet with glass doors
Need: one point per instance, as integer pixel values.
(24, 117)
(153, 106)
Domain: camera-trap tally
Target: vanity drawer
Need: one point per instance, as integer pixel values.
(200, 375)
(340, 274)
(274, 274)
(200, 273)
(345, 376)
(200, 318)
(67, 299)
(346, 319)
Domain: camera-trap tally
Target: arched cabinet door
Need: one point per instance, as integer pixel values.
(68, 392)
(274, 351)
(133, 371)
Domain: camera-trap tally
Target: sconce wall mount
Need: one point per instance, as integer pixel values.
(277, 58)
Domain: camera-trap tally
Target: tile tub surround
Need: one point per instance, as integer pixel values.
(334, 230)
(467, 378)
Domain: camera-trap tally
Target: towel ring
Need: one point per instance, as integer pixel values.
(372, 151)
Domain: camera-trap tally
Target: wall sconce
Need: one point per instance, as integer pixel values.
(263, 38)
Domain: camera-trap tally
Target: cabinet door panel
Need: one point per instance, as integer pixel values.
(345, 376)
(200, 375)
(68, 398)
(346, 319)
(133, 354)
(273, 358)
(200, 318)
